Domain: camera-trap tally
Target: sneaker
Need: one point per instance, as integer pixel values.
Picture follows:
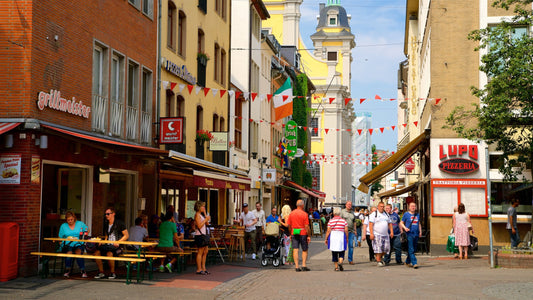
(409, 265)
(169, 267)
(399, 263)
(99, 276)
(112, 276)
(66, 275)
(162, 269)
(83, 274)
(415, 266)
(380, 264)
(253, 255)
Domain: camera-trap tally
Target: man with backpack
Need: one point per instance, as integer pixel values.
(380, 232)
(411, 225)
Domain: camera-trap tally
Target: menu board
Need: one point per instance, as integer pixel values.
(10, 168)
(474, 200)
(444, 200)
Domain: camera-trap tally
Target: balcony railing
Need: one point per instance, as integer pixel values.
(146, 128)
(99, 112)
(117, 118)
(132, 122)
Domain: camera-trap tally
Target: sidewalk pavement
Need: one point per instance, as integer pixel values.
(437, 278)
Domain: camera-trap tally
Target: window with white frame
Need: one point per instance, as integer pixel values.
(100, 84)
(313, 124)
(256, 25)
(133, 84)
(99, 70)
(148, 8)
(146, 95)
(136, 3)
(255, 78)
(117, 78)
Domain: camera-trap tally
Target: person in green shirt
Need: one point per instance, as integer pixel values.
(168, 234)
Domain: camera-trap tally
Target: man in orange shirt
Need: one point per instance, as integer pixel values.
(299, 228)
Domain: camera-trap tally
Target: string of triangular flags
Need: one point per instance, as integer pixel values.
(316, 130)
(262, 97)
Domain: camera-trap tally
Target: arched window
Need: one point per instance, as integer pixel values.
(222, 125)
(199, 118)
(171, 104)
(171, 25)
(180, 106)
(181, 33)
(215, 122)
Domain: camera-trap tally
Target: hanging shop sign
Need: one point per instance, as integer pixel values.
(410, 165)
(53, 100)
(291, 135)
(219, 142)
(269, 175)
(171, 130)
(10, 168)
(458, 159)
(179, 70)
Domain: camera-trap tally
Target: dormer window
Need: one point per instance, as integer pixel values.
(333, 17)
(333, 21)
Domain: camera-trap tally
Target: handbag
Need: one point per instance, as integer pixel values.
(201, 240)
(473, 243)
(469, 225)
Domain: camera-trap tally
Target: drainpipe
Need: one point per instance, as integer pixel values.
(157, 98)
(250, 35)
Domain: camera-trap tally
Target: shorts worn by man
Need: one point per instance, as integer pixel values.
(299, 228)
(380, 232)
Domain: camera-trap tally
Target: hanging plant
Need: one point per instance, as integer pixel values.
(203, 135)
(202, 57)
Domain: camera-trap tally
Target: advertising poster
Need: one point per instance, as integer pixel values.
(219, 141)
(36, 169)
(10, 168)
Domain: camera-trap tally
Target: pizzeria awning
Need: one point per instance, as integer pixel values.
(301, 188)
(395, 161)
(219, 181)
(396, 192)
(78, 134)
(7, 126)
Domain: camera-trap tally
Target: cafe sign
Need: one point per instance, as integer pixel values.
(219, 142)
(179, 70)
(458, 159)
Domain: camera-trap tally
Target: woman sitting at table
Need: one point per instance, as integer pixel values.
(167, 237)
(73, 229)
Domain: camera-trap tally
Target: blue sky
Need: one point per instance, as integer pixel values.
(378, 26)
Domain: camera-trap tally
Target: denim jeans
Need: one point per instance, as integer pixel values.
(412, 243)
(68, 260)
(396, 245)
(351, 240)
(358, 240)
(515, 237)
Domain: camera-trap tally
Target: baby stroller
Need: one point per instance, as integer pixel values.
(271, 247)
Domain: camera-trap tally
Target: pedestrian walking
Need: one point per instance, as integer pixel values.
(461, 228)
(337, 238)
(285, 212)
(410, 223)
(396, 243)
(512, 226)
(299, 228)
(259, 226)
(380, 232)
(366, 230)
(359, 218)
(348, 215)
(248, 220)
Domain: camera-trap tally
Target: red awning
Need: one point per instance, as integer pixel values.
(105, 141)
(320, 193)
(5, 127)
(215, 183)
(301, 188)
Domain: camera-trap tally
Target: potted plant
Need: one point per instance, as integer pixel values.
(202, 57)
(203, 135)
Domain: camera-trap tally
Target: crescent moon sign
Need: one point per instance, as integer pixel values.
(170, 126)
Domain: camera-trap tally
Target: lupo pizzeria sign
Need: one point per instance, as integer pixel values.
(458, 159)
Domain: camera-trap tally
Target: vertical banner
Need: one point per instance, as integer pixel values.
(35, 169)
(291, 135)
(10, 168)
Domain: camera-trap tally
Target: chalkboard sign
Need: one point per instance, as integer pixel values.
(317, 230)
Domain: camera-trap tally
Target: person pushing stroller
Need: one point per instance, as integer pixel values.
(272, 244)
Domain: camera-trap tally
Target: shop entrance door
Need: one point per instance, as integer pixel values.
(119, 194)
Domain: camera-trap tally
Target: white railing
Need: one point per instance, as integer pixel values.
(117, 118)
(132, 122)
(146, 128)
(99, 112)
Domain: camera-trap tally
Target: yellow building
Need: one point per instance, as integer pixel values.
(194, 58)
(329, 68)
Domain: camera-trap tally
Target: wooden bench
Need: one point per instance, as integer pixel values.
(127, 260)
(153, 254)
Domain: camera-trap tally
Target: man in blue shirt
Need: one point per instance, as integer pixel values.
(411, 225)
(273, 218)
(395, 241)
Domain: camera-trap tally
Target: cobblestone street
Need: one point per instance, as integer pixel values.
(437, 278)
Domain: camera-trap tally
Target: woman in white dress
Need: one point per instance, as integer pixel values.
(337, 238)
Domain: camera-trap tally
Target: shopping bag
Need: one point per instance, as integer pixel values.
(473, 243)
(450, 246)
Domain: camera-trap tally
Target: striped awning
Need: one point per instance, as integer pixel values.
(7, 126)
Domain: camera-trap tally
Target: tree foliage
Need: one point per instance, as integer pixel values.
(504, 115)
(300, 174)
(376, 187)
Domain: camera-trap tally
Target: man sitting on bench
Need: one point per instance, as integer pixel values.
(116, 231)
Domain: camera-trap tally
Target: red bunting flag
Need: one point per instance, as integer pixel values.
(437, 101)
(370, 131)
(206, 90)
(222, 92)
(393, 127)
(326, 130)
(416, 124)
(377, 97)
(362, 100)
(404, 125)
(269, 97)
(360, 131)
(392, 99)
(253, 96)
(285, 97)
(305, 128)
(251, 120)
(173, 85)
(331, 100)
(316, 130)
(346, 100)
(190, 87)
(381, 129)
(238, 95)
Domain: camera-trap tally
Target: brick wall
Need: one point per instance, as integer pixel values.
(519, 261)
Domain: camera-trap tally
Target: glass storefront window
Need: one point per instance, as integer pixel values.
(503, 193)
